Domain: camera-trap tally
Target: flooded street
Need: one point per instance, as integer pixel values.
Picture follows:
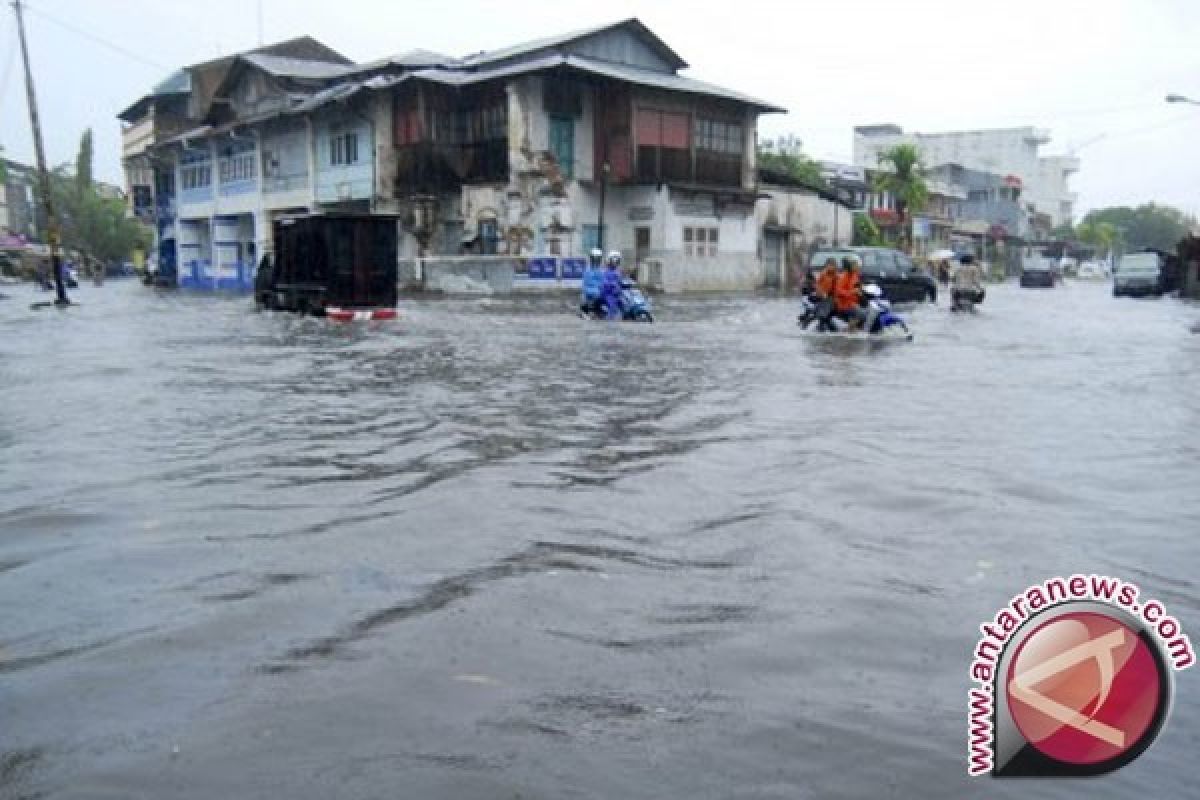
(493, 551)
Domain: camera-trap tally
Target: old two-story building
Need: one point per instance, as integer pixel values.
(201, 171)
(535, 153)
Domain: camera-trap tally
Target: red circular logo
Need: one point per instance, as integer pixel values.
(1084, 688)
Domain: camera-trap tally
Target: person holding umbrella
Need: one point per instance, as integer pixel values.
(941, 260)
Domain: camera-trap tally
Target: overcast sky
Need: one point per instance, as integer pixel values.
(1087, 69)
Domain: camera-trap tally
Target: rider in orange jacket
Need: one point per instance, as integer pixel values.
(848, 292)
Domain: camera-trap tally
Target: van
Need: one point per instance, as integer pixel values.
(1138, 274)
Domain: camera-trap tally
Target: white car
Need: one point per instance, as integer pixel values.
(1091, 271)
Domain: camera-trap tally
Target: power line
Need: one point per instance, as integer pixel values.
(97, 39)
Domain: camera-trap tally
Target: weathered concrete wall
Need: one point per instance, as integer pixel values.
(458, 275)
(729, 272)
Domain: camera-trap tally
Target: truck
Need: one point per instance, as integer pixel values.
(337, 265)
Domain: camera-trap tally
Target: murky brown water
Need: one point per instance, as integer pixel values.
(492, 551)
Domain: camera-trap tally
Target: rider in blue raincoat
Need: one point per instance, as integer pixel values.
(611, 289)
(592, 286)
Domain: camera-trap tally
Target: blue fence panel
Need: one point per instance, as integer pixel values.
(572, 268)
(543, 268)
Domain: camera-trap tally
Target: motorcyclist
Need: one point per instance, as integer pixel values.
(611, 287)
(827, 279)
(592, 285)
(847, 293)
(968, 282)
(823, 289)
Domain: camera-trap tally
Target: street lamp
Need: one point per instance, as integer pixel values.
(1178, 98)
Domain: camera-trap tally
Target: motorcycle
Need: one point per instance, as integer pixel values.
(966, 299)
(631, 302)
(880, 320)
(812, 309)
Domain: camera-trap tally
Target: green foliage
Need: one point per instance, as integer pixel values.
(785, 156)
(1148, 225)
(902, 178)
(1064, 233)
(95, 226)
(1101, 235)
(866, 232)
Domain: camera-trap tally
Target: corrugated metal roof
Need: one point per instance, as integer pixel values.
(661, 80)
(178, 82)
(408, 59)
(491, 56)
(331, 95)
(641, 77)
(295, 67)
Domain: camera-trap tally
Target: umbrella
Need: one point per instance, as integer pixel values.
(943, 255)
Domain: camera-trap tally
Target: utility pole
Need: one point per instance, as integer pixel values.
(60, 289)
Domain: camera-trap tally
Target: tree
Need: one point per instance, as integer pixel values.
(1064, 233)
(1148, 225)
(95, 226)
(866, 232)
(1100, 235)
(785, 155)
(83, 162)
(902, 178)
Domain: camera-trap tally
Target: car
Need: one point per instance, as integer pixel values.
(1038, 277)
(1138, 274)
(900, 279)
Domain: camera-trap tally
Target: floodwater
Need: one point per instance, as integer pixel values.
(493, 551)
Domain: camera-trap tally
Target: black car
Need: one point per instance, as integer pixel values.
(894, 272)
(1036, 278)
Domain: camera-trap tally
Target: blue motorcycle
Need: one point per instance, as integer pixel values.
(631, 302)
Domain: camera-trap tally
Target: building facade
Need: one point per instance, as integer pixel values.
(591, 139)
(1000, 151)
(19, 213)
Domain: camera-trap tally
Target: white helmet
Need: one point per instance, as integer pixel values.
(596, 254)
(614, 258)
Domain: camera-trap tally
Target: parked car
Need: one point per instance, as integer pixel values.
(901, 280)
(1091, 271)
(1138, 274)
(1038, 276)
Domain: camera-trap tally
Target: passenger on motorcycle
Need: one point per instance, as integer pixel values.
(847, 294)
(591, 300)
(611, 288)
(827, 279)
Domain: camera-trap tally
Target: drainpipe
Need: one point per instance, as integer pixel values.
(604, 170)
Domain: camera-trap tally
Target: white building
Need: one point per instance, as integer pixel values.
(1001, 151)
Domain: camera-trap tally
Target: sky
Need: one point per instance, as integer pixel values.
(1095, 73)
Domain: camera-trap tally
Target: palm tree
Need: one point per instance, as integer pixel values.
(902, 178)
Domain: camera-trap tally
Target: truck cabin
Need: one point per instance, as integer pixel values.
(327, 261)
